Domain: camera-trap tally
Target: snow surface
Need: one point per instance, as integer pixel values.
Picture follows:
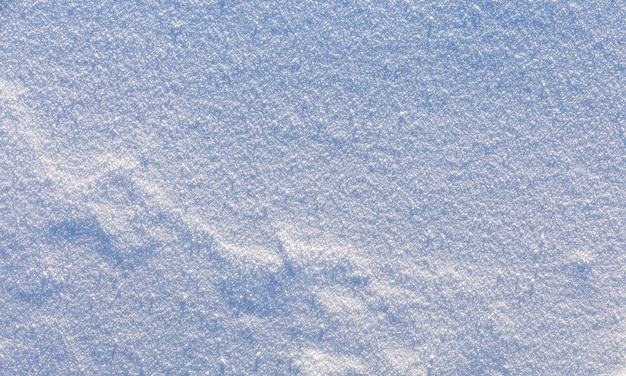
(312, 187)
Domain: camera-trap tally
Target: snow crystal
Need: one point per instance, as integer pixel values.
(313, 188)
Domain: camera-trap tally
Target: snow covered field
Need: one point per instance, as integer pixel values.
(312, 187)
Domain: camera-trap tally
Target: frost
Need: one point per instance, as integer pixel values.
(313, 188)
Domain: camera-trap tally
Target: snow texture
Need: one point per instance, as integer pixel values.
(312, 187)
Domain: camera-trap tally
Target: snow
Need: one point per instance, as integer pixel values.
(313, 188)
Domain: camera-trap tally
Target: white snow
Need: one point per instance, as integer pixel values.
(314, 188)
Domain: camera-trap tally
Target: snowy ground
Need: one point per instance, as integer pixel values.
(312, 187)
